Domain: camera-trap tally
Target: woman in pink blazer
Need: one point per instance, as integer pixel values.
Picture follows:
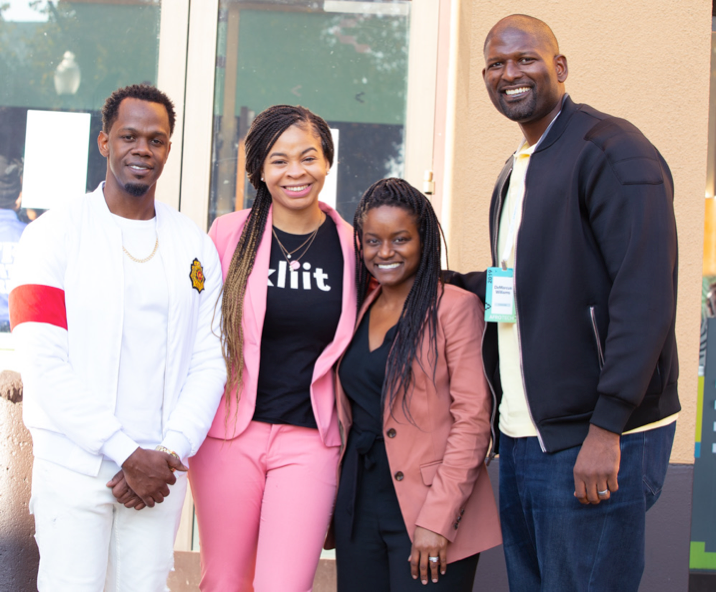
(415, 506)
(264, 481)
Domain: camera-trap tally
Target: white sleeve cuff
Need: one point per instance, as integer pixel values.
(177, 442)
(119, 447)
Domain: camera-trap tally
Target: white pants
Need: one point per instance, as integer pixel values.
(90, 542)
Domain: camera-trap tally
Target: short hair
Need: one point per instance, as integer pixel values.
(528, 23)
(143, 92)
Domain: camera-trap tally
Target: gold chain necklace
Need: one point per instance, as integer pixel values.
(294, 264)
(288, 254)
(146, 259)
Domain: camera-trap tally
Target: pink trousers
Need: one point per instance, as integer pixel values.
(263, 503)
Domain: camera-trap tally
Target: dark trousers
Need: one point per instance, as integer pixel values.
(551, 541)
(372, 544)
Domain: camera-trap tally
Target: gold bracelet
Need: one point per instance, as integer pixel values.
(164, 449)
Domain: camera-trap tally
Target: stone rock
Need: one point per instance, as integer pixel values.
(11, 386)
(19, 557)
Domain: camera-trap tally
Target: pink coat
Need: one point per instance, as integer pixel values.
(229, 421)
(444, 485)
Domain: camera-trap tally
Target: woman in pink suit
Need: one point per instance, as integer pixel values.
(264, 481)
(415, 506)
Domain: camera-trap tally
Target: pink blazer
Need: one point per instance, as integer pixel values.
(444, 485)
(230, 422)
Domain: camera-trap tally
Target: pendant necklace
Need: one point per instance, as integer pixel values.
(294, 263)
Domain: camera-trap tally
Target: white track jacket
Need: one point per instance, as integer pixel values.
(66, 310)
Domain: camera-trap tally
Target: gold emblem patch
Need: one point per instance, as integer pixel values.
(196, 275)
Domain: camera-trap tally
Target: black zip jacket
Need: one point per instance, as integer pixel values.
(596, 280)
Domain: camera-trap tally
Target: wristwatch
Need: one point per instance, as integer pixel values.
(164, 449)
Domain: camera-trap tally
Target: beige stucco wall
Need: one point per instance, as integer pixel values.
(644, 60)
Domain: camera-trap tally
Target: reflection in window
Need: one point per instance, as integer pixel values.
(346, 61)
(68, 57)
(11, 228)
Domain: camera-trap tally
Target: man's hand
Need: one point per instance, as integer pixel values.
(596, 468)
(428, 554)
(149, 474)
(123, 493)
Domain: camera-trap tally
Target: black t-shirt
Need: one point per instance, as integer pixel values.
(303, 308)
(362, 373)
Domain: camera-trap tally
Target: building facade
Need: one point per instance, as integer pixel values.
(400, 84)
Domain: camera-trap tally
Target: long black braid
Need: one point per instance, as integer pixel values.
(263, 134)
(421, 306)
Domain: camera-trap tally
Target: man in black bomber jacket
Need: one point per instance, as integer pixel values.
(586, 378)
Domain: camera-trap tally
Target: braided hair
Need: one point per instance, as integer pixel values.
(263, 134)
(421, 306)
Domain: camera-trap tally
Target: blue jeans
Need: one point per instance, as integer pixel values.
(551, 541)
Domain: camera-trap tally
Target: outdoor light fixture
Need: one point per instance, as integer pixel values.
(67, 75)
(429, 186)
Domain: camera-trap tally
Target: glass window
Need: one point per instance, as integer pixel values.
(346, 61)
(59, 61)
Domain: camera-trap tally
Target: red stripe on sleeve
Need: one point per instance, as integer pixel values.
(39, 303)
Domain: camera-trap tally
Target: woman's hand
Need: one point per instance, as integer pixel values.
(427, 544)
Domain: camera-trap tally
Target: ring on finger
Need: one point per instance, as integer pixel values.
(603, 492)
(433, 558)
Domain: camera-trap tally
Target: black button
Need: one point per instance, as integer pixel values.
(398, 476)
(455, 526)
(463, 511)
(391, 432)
(459, 519)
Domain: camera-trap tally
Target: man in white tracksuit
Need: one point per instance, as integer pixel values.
(113, 313)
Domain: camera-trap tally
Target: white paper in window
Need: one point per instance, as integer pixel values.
(55, 158)
(328, 194)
